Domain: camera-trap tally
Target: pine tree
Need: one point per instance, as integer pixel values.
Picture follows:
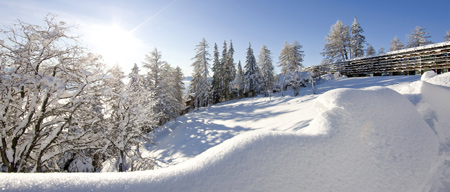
(199, 84)
(447, 36)
(396, 44)
(216, 79)
(251, 74)
(356, 40)
(290, 61)
(337, 43)
(266, 66)
(370, 50)
(418, 37)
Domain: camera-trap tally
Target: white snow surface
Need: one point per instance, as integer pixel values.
(350, 137)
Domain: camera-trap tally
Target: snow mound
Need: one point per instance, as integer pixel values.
(363, 140)
(433, 78)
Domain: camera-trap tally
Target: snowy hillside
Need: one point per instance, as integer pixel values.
(393, 137)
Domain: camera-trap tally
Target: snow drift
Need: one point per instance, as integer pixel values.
(363, 140)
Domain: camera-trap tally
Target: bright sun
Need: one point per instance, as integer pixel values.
(116, 45)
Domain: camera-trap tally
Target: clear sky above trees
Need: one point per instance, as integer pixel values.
(124, 31)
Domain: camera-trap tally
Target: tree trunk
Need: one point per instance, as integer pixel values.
(121, 161)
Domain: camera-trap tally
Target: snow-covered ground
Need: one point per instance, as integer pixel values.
(392, 137)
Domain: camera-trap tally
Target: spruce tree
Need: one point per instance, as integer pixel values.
(216, 80)
(381, 51)
(224, 74)
(231, 72)
(357, 40)
(290, 61)
(165, 105)
(266, 66)
(239, 81)
(178, 84)
(251, 74)
(370, 50)
(199, 84)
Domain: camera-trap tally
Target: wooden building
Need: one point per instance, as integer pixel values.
(411, 61)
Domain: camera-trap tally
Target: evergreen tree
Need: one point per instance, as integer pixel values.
(418, 37)
(381, 51)
(370, 50)
(266, 66)
(337, 43)
(199, 83)
(216, 79)
(225, 74)
(140, 93)
(165, 105)
(230, 72)
(447, 36)
(251, 74)
(290, 61)
(396, 44)
(136, 82)
(172, 97)
(239, 81)
(178, 85)
(356, 40)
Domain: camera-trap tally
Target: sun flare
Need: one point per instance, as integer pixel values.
(116, 45)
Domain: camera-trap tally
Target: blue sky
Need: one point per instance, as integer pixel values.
(175, 27)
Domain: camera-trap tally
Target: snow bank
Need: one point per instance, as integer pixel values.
(433, 78)
(363, 140)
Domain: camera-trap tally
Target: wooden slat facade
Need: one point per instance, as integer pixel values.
(412, 61)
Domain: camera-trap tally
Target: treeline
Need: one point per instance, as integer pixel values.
(344, 42)
(231, 82)
(60, 110)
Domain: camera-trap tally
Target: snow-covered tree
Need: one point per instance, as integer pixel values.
(357, 40)
(224, 73)
(199, 84)
(216, 83)
(266, 66)
(290, 61)
(447, 36)
(172, 91)
(251, 75)
(230, 73)
(178, 84)
(418, 37)
(337, 44)
(396, 44)
(126, 122)
(370, 50)
(165, 105)
(239, 81)
(381, 51)
(46, 90)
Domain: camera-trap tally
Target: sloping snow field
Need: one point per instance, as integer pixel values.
(391, 137)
